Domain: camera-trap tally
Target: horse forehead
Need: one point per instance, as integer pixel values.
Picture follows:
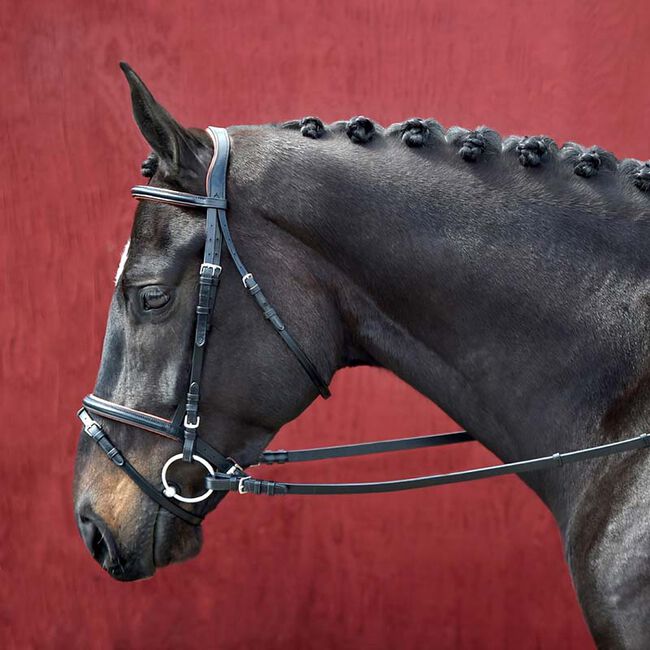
(160, 239)
(158, 225)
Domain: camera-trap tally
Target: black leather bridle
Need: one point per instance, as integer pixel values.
(224, 473)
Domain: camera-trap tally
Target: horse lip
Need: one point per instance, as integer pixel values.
(172, 544)
(155, 550)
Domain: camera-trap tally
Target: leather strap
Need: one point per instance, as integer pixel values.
(362, 449)
(166, 428)
(126, 415)
(162, 195)
(210, 271)
(251, 485)
(270, 313)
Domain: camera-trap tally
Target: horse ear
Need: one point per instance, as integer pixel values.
(180, 152)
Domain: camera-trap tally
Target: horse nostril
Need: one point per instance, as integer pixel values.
(98, 539)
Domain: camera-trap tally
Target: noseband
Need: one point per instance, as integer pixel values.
(224, 473)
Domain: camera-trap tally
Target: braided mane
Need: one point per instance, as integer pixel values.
(478, 146)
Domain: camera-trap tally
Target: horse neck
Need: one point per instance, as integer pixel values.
(516, 307)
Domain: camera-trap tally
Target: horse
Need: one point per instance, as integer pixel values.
(506, 280)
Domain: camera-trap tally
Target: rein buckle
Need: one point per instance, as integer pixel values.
(241, 488)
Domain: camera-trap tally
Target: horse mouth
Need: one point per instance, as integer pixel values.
(107, 551)
(174, 540)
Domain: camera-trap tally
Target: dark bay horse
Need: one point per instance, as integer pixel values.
(508, 281)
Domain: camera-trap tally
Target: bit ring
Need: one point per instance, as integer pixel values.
(170, 491)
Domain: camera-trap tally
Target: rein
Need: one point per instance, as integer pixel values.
(224, 473)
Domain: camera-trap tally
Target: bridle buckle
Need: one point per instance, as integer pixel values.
(241, 488)
(188, 425)
(206, 266)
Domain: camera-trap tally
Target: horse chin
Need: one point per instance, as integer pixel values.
(131, 575)
(174, 540)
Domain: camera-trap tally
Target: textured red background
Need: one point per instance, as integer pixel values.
(474, 566)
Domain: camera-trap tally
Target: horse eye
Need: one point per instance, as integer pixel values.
(153, 298)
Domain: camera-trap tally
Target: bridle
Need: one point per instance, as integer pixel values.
(186, 421)
(224, 473)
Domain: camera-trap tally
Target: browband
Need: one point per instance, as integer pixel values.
(162, 195)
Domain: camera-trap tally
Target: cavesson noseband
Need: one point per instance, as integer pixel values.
(224, 473)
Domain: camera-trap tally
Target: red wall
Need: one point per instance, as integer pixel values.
(473, 566)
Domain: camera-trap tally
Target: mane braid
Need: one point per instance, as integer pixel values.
(535, 150)
(417, 132)
(149, 165)
(642, 176)
(309, 127)
(360, 129)
(312, 127)
(588, 162)
(472, 145)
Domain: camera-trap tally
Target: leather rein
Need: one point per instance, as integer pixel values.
(224, 473)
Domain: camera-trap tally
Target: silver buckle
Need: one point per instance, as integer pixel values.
(90, 427)
(93, 429)
(212, 267)
(189, 425)
(245, 278)
(241, 488)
